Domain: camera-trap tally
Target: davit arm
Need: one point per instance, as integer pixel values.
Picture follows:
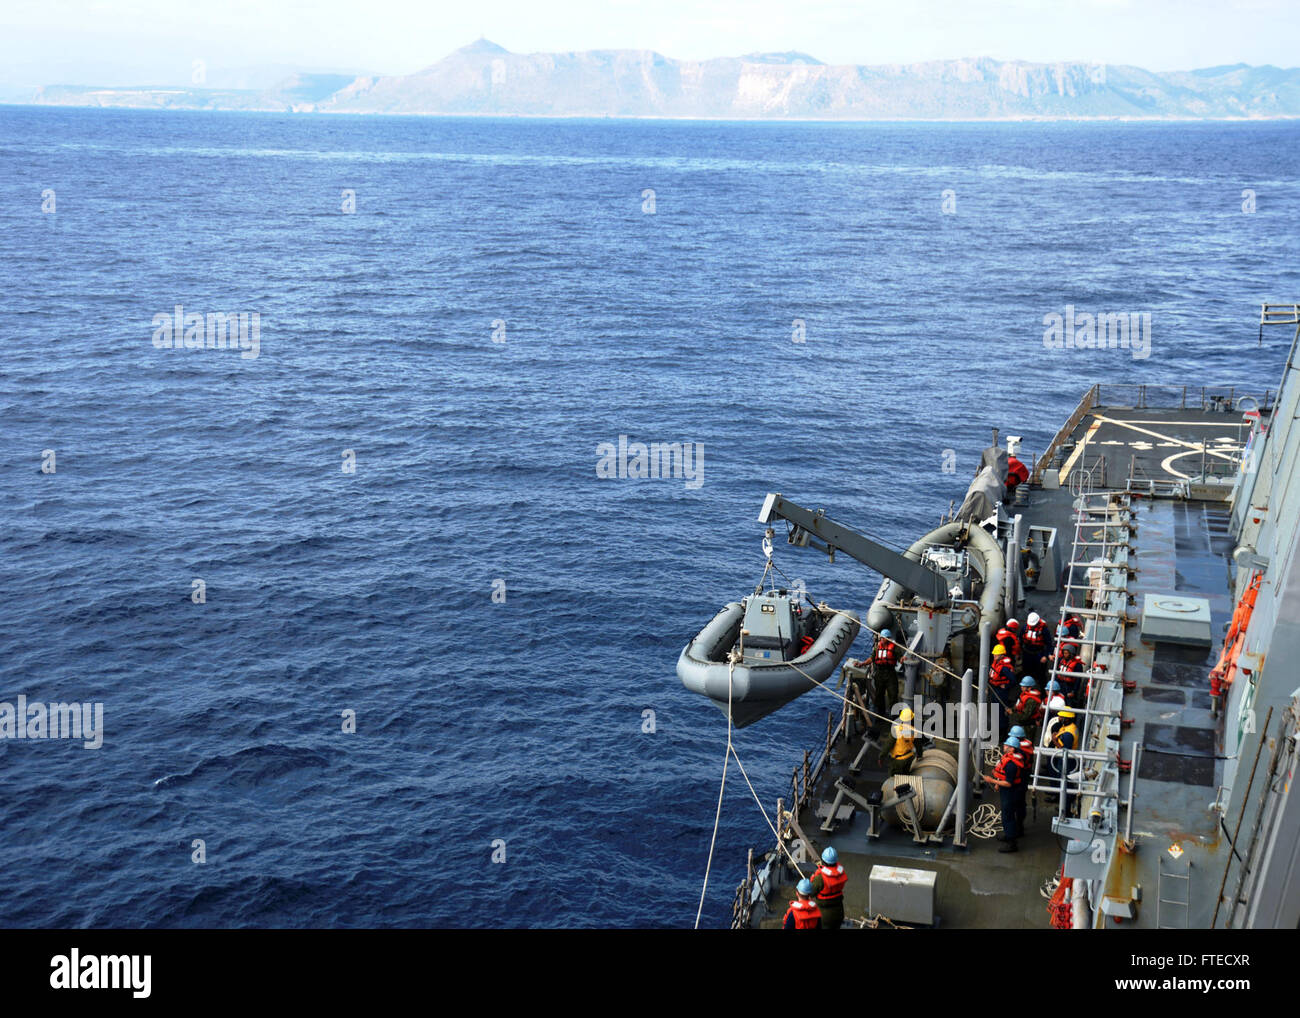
(831, 537)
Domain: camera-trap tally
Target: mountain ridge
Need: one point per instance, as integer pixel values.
(483, 78)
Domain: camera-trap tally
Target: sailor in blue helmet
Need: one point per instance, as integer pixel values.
(802, 913)
(828, 882)
(1009, 777)
(884, 673)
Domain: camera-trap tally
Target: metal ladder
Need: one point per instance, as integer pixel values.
(1111, 513)
(1185, 902)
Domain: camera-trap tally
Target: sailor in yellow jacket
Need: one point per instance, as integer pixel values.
(901, 752)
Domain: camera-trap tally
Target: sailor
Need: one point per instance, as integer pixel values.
(884, 673)
(828, 883)
(1017, 474)
(802, 913)
(1002, 676)
(1008, 639)
(1066, 737)
(1007, 775)
(902, 745)
(1026, 746)
(1069, 673)
(1028, 711)
(1036, 647)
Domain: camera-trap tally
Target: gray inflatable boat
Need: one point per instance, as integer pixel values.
(786, 643)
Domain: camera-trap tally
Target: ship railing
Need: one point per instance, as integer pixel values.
(1143, 396)
(1148, 396)
(1044, 461)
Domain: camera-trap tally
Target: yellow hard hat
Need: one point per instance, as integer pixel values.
(906, 714)
(1000, 650)
(1067, 713)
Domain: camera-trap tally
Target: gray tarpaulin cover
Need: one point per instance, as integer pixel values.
(987, 490)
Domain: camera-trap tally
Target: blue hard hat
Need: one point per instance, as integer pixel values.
(1027, 681)
(1053, 686)
(830, 857)
(805, 887)
(1062, 630)
(886, 633)
(1017, 731)
(1012, 741)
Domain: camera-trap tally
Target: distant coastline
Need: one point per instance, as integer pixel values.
(1259, 119)
(485, 80)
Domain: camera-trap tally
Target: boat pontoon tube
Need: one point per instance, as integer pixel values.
(758, 689)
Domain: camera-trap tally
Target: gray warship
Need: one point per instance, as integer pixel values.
(1163, 522)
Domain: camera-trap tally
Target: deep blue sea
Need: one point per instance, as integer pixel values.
(516, 721)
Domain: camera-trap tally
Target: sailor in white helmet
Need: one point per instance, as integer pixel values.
(1036, 647)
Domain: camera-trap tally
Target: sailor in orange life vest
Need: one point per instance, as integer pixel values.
(802, 913)
(828, 882)
(1070, 675)
(1009, 777)
(1036, 648)
(884, 673)
(1009, 637)
(1017, 474)
(1002, 678)
(1028, 711)
(1026, 750)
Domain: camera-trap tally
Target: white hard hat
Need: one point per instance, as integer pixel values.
(1057, 702)
(1034, 619)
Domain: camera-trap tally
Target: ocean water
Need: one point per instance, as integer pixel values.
(498, 305)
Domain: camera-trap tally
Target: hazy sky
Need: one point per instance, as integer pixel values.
(122, 42)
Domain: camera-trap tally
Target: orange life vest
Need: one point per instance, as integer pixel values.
(1017, 472)
(833, 881)
(1031, 694)
(1002, 672)
(1009, 640)
(1036, 636)
(1000, 771)
(806, 916)
(886, 654)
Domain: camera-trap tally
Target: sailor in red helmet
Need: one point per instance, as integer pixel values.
(1009, 637)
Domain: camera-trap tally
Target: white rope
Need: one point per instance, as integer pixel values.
(780, 843)
(985, 822)
(717, 817)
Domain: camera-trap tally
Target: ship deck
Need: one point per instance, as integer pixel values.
(1182, 545)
